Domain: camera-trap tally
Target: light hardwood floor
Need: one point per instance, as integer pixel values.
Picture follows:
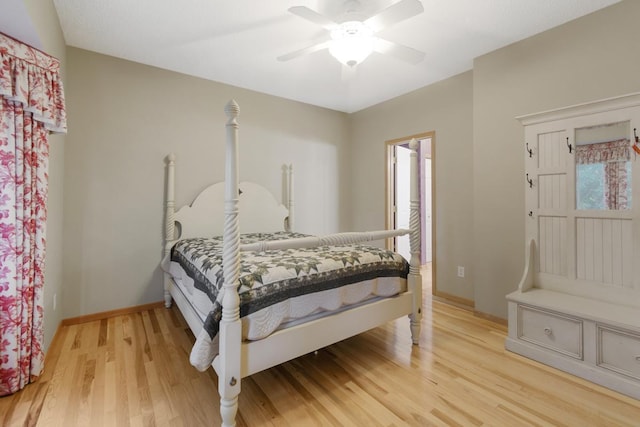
(133, 370)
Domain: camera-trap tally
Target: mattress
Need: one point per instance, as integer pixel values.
(262, 323)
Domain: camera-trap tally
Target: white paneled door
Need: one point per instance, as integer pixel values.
(426, 209)
(402, 195)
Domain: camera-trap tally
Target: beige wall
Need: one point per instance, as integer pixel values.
(445, 108)
(124, 118)
(44, 18)
(591, 58)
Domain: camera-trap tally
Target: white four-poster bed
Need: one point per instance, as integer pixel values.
(239, 349)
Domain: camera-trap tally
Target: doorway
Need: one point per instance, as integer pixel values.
(397, 195)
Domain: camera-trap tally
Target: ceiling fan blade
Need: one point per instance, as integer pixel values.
(397, 12)
(305, 51)
(405, 53)
(313, 16)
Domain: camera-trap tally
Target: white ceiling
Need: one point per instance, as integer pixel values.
(237, 41)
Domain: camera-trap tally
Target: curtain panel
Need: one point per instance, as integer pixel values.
(32, 105)
(616, 183)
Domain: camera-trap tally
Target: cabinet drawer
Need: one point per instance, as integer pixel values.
(550, 330)
(619, 350)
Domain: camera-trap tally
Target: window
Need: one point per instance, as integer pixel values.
(603, 167)
(592, 186)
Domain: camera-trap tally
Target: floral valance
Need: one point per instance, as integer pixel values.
(32, 78)
(613, 151)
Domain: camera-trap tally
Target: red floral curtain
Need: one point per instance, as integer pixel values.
(617, 181)
(32, 105)
(612, 151)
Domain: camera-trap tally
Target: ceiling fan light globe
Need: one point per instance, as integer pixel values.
(352, 42)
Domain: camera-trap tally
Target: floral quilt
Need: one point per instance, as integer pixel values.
(269, 277)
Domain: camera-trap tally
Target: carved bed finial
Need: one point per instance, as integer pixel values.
(232, 109)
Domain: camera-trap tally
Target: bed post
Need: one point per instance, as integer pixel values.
(415, 278)
(290, 203)
(230, 327)
(169, 225)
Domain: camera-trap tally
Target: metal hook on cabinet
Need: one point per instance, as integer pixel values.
(569, 145)
(636, 143)
(530, 181)
(529, 150)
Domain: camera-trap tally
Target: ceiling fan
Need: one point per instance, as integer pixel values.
(353, 39)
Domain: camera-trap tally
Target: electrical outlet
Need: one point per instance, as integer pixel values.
(55, 301)
(460, 271)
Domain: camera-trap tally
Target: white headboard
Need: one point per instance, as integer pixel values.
(259, 210)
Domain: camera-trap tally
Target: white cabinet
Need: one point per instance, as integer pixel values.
(577, 307)
(596, 340)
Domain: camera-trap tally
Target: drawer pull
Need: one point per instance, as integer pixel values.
(637, 358)
(547, 331)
